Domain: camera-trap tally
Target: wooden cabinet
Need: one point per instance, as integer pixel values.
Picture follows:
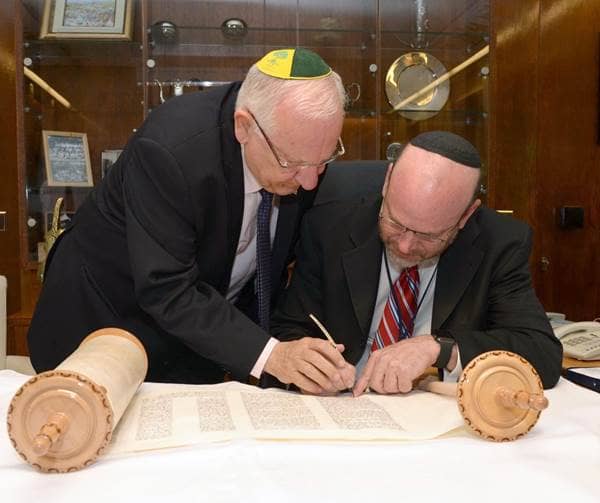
(180, 46)
(16, 335)
(100, 81)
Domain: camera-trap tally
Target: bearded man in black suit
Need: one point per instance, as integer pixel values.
(472, 290)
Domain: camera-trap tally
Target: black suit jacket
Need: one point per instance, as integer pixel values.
(152, 249)
(483, 297)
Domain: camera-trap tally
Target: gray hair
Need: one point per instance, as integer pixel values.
(314, 98)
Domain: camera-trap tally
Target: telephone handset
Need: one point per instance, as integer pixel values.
(580, 340)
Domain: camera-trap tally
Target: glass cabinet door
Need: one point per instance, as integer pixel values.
(199, 44)
(421, 40)
(384, 50)
(81, 101)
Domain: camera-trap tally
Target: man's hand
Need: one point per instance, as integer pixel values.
(394, 368)
(313, 365)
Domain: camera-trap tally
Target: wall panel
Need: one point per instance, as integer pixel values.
(9, 239)
(568, 160)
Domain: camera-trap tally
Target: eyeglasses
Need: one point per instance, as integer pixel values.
(340, 150)
(428, 237)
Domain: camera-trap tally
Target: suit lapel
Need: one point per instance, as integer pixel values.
(362, 264)
(284, 233)
(456, 269)
(234, 182)
(291, 209)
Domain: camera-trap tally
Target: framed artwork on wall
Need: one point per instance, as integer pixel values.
(67, 159)
(87, 19)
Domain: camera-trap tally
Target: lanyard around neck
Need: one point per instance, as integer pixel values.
(393, 292)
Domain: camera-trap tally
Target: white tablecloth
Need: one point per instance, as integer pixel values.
(559, 460)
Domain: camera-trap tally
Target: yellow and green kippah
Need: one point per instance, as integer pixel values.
(294, 64)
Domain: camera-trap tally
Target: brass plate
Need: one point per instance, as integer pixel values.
(408, 74)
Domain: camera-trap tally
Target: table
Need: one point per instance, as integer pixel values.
(572, 362)
(559, 460)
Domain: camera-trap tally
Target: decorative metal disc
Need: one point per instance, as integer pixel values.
(234, 29)
(410, 73)
(164, 32)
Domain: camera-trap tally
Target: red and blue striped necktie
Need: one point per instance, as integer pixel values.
(400, 310)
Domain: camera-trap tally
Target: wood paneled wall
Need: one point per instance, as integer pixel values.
(9, 239)
(568, 161)
(544, 139)
(513, 108)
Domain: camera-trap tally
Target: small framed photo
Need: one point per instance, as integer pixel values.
(87, 19)
(109, 157)
(67, 159)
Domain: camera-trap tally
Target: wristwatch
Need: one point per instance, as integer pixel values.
(446, 345)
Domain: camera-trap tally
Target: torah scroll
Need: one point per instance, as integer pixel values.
(62, 420)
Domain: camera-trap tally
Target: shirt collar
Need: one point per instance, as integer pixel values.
(251, 184)
(425, 267)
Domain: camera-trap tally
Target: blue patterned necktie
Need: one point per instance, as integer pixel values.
(263, 258)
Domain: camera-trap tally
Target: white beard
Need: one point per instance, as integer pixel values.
(399, 263)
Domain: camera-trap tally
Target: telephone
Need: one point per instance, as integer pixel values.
(580, 340)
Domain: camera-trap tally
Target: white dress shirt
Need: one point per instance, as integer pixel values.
(244, 264)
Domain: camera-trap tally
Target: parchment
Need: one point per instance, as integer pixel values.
(180, 415)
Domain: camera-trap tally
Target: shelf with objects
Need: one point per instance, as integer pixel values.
(384, 51)
(112, 81)
(201, 43)
(185, 58)
(80, 104)
(416, 44)
(435, 73)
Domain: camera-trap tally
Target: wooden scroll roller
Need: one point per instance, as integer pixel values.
(63, 419)
(499, 393)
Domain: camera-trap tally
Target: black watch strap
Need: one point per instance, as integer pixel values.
(446, 345)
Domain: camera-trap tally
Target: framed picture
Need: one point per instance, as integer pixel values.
(109, 157)
(89, 19)
(67, 159)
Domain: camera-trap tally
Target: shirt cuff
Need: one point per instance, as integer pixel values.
(456, 371)
(262, 359)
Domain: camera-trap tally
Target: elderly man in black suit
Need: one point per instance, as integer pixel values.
(420, 276)
(168, 244)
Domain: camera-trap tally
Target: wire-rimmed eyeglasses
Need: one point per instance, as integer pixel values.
(340, 150)
(398, 229)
